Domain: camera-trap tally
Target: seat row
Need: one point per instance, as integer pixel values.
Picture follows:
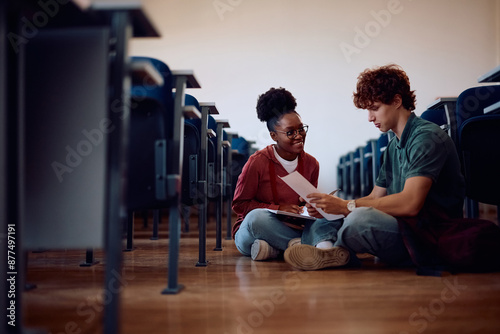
(472, 120)
(178, 156)
(358, 169)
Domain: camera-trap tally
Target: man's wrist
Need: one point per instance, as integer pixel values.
(350, 206)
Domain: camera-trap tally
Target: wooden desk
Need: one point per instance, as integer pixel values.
(493, 109)
(207, 108)
(220, 181)
(221, 178)
(491, 76)
(449, 105)
(64, 92)
(442, 102)
(182, 80)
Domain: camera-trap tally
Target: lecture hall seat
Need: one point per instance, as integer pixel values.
(471, 104)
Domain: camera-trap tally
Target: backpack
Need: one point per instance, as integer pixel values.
(436, 242)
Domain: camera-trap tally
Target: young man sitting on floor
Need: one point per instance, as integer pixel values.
(420, 167)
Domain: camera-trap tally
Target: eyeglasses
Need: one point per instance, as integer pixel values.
(293, 133)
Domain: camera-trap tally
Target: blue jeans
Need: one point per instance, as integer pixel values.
(364, 230)
(262, 224)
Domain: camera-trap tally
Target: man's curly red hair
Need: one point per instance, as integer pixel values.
(382, 84)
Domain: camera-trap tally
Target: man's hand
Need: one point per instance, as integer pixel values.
(328, 203)
(311, 210)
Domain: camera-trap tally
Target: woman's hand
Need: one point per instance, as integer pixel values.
(311, 210)
(293, 208)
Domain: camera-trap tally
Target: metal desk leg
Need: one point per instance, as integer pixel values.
(219, 202)
(175, 177)
(202, 190)
(121, 31)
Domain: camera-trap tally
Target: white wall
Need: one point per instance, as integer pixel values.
(240, 48)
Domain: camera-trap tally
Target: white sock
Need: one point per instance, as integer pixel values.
(325, 244)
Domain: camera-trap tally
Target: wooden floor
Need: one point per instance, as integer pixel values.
(236, 295)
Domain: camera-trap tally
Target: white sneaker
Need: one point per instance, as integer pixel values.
(261, 250)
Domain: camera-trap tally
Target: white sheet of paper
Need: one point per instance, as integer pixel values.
(295, 215)
(303, 188)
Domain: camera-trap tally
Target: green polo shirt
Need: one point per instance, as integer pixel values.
(424, 150)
